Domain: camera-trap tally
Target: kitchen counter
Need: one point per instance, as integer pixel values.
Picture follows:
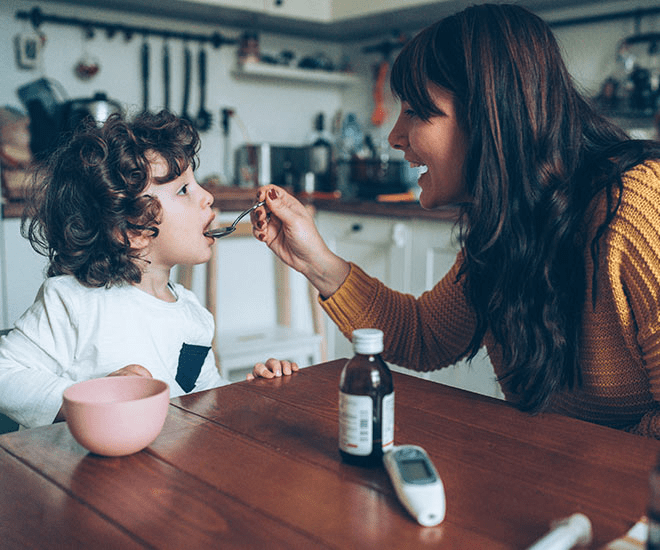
(235, 199)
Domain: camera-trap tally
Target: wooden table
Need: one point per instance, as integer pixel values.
(255, 465)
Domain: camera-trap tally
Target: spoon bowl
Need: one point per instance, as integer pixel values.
(224, 231)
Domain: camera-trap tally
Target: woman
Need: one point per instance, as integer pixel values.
(559, 269)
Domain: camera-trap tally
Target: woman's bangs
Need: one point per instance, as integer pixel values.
(409, 80)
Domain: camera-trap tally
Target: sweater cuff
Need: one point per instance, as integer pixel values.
(352, 300)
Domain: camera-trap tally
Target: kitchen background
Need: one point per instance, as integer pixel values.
(266, 109)
(281, 104)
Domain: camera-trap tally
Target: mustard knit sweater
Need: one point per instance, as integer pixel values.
(620, 346)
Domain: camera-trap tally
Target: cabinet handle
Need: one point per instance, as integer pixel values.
(400, 235)
(356, 227)
(279, 3)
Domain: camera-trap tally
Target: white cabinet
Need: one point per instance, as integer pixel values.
(434, 252)
(23, 270)
(347, 9)
(309, 10)
(409, 255)
(379, 246)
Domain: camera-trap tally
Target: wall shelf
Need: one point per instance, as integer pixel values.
(278, 72)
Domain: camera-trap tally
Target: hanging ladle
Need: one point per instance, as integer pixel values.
(204, 117)
(224, 231)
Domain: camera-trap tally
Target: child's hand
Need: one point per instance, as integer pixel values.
(132, 370)
(272, 368)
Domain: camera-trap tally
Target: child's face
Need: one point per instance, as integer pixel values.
(185, 214)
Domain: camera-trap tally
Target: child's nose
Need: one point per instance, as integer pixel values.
(207, 198)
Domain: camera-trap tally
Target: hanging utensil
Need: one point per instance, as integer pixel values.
(186, 83)
(226, 128)
(145, 75)
(87, 66)
(204, 117)
(187, 75)
(379, 114)
(166, 75)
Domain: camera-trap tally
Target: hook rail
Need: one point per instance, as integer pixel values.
(37, 18)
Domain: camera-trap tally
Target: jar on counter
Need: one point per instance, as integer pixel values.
(248, 49)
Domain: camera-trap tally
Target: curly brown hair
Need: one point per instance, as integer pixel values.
(87, 198)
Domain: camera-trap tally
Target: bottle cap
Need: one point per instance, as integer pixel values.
(367, 341)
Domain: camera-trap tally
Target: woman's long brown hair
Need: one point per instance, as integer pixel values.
(537, 155)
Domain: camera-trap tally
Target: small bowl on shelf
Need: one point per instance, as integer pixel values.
(116, 415)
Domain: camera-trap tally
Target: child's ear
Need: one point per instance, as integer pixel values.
(139, 240)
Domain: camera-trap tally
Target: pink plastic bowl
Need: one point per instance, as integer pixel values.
(117, 415)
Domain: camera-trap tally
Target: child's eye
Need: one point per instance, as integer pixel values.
(410, 113)
(183, 190)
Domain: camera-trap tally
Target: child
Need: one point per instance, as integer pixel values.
(114, 209)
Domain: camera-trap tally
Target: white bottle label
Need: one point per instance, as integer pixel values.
(388, 421)
(356, 423)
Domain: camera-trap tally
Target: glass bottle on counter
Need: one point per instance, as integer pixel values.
(320, 156)
(366, 402)
(653, 511)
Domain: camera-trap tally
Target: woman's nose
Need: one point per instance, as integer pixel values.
(397, 138)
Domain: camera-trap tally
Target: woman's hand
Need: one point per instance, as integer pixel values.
(290, 232)
(132, 370)
(272, 368)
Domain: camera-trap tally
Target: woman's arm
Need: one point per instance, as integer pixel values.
(423, 333)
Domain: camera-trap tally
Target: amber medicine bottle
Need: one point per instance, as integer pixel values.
(366, 402)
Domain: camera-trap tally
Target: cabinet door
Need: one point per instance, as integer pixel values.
(434, 252)
(380, 246)
(309, 10)
(348, 9)
(24, 271)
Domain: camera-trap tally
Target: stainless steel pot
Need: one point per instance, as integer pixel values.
(98, 108)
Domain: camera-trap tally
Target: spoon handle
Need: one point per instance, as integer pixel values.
(253, 207)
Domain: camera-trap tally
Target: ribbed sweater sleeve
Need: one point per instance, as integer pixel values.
(422, 334)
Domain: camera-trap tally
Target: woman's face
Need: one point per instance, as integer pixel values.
(439, 144)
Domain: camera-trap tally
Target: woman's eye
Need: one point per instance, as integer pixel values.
(183, 190)
(410, 113)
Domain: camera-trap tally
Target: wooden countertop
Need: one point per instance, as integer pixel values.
(235, 199)
(255, 465)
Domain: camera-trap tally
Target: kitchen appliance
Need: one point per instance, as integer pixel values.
(98, 108)
(51, 117)
(371, 176)
(264, 163)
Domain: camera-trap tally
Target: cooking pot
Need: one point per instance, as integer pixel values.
(98, 108)
(376, 177)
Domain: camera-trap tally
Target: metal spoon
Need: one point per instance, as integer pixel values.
(224, 231)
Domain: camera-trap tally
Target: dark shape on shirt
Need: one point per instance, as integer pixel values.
(191, 359)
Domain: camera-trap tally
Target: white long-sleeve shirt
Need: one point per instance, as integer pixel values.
(73, 333)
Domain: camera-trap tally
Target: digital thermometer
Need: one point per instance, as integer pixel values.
(416, 483)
